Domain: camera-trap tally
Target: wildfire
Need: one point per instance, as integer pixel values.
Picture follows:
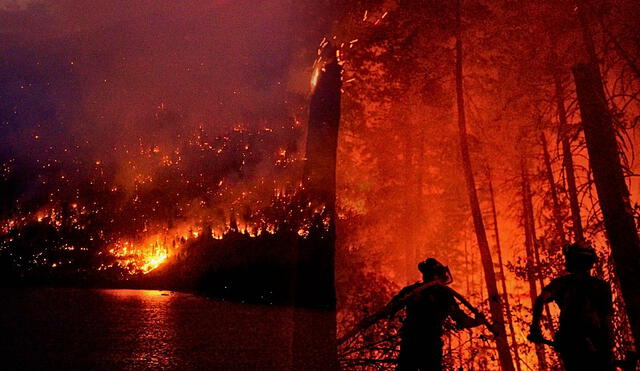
(153, 262)
(151, 252)
(142, 258)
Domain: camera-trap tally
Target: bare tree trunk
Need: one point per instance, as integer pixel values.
(557, 214)
(613, 194)
(483, 244)
(319, 181)
(587, 35)
(567, 157)
(528, 196)
(529, 247)
(314, 337)
(604, 158)
(503, 278)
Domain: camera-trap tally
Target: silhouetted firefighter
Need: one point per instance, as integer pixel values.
(428, 304)
(584, 339)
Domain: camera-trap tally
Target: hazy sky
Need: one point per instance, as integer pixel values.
(78, 70)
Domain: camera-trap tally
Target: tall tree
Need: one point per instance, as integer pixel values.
(319, 181)
(315, 273)
(495, 303)
(567, 157)
(555, 202)
(611, 187)
(503, 278)
(613, 194)
(535, 244)
(529, 249)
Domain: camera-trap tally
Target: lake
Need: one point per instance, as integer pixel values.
(102, 329)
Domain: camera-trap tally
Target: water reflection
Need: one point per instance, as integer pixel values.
(138, 329)
(148, 326)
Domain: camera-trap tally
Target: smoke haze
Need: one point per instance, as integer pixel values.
(96, 74)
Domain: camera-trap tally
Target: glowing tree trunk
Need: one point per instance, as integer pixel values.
(322, 137)
(495, 304)
(314, 338)
(503, 278)
(604, 159)
(613, 194)
(317, 286)
(557, 213)
(529, 250)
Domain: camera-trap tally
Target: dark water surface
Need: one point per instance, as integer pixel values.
(139, 329)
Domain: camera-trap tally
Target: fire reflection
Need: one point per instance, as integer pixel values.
(148, 326)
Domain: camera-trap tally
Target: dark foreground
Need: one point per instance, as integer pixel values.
(141, 329)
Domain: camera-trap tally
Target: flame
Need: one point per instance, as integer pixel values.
(149, 253)
(153, 262)
(314, 77)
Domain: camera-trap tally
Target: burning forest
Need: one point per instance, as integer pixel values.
(450, 182)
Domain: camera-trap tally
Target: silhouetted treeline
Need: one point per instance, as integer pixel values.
(241, 267)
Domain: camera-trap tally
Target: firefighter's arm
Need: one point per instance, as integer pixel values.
(398, 302)
(368, 321)
(395, 304)
(462, 320)
(535, 332)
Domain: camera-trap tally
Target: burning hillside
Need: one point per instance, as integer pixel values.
(170, 197)
(219, 212)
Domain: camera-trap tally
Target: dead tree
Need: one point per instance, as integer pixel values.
(529, 251)
(495, 303)
(314, 338)
(611, 187)
(608, 175)
(555, 202)
(503, 278)
(319, 183)
(319, 178)
(567, 157)
(528, 196)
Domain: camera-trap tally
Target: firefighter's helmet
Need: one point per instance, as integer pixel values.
(432, 269)
(579, 257)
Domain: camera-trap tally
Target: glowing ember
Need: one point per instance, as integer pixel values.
(314, 77)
